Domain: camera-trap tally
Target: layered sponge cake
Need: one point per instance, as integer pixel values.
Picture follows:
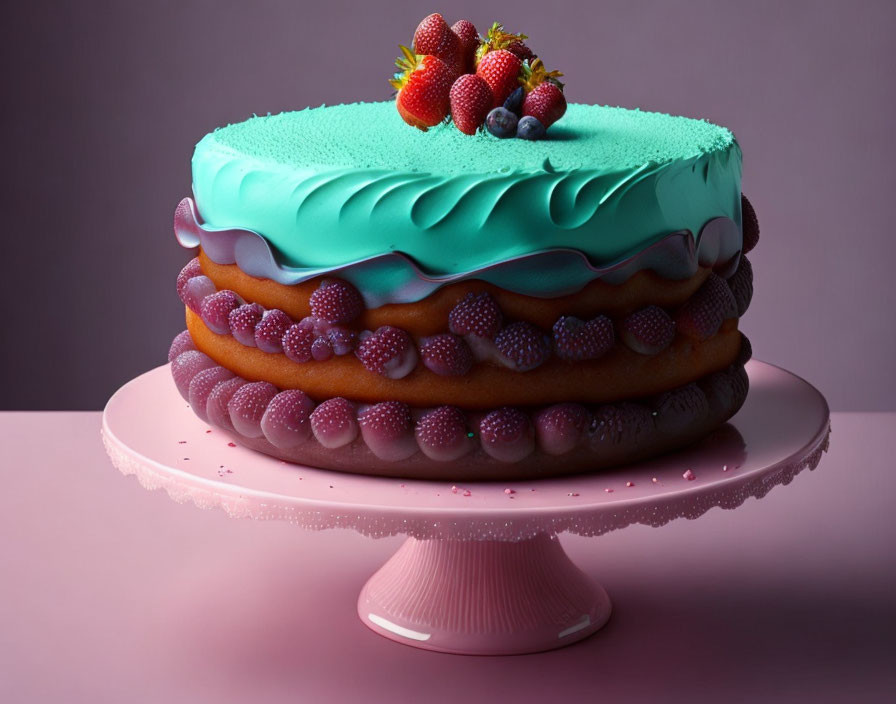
(374, 299)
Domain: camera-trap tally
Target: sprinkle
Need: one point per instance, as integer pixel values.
(331, 486)
(186, 458)
(454, 490)
(689, 475)
(609, 491)
(467, 492)
(208, 431)
(181, 442)
(510, 491)
(401, 485)
(655, 480)
(724, 467)
(629, 483)
(573, 493)
(231, 444)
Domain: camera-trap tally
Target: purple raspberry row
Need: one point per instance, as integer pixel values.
(478, 330)
(393, 431)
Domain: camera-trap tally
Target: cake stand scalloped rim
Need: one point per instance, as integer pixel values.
(517, 523)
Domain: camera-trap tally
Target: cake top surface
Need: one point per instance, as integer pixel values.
(373, 136)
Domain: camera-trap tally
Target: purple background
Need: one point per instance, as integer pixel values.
(104, 102)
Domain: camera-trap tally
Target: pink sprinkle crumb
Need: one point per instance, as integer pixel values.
(654, 480)
(231, 444)
(510, 491)
(467, 492)
(629, 483)
(689, 475)
(454, 490)
(573, 493)
(208, 431)
(181, 442)
(724, 467)
(609, 491)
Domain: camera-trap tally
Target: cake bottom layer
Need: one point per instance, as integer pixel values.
(450, 443)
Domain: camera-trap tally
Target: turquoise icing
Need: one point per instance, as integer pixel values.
(332, 185)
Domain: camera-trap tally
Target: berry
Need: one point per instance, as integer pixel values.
(469, 41)
(702, 314)
(741, 285)
(501, 71)
(216, 405)
(497, 38)
(270, 330)
(514, 101)
(321, 350)
(202, 386)
(750, 223)
(507, 435)
(575, 340)
(725, 391)
(242, 322)
(530, 128)
(442, 434)
(336, 301)
(387, 429)
(195, 291)
(297, 342)
(423, 86)
(501, 122)
(447, 355)
(188, 272)
(546, 103)
(215, 311)
(471, 99)
(285, 422)
(648, 331)
(334, 423)
(388, 351)
(247, 406)
(186, 366)
(523, 346)
(626, 426)
(746, 351)
(560, 428)
(476, 314)
(342, 340)
(433, 36)
(521, 51)
(180, 344)
(679, 409)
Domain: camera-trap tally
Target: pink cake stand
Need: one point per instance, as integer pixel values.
(482, 571)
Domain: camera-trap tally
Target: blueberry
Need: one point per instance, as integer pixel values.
(514, 101)
(501, 123)
(530, 128)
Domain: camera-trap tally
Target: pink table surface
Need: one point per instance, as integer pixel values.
(109, 592)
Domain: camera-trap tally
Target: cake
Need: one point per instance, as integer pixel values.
(434, 304)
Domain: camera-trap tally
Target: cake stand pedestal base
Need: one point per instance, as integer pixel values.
(483, 597)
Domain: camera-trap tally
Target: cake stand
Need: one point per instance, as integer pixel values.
(482, 571)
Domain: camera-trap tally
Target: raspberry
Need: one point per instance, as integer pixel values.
(285, 422)
(297, 342)
(702, 314)
(559, 428)
(247, 406)
(186, 366)
(648, 331)
(321, 349)
(342, 340)
(575, 340)
(447, 355)
(202, 386)
(216, 405)
(242, 323)
(679, 409)
(751, 224)
(270, 330)
(387, 429)
(507, 434)
(180, 344)
(442, 434)
(741, 285)
(626, 425)
(523, 346)
(388, 351)
(195, 291)
(334, 423)
(215, 311)
(476, 314)
(336, 301)
(191, 270)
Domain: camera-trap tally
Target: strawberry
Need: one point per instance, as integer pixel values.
(546, 103)
(501, 70)
(496, 38)
(469, 41)
(434, 37)
(471, 99)
(544, 93)
(423, 85)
